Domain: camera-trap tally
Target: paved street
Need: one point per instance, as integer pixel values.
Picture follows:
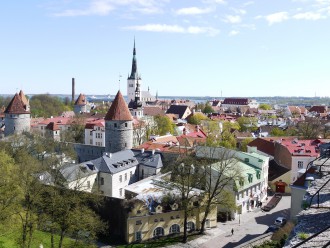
(252, 224)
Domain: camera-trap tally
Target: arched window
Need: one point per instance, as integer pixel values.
(190, 226)
(159, 231)
(175, 229)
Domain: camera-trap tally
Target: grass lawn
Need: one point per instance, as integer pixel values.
(39, 237)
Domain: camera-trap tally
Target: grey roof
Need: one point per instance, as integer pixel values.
(147, 158)
(177, 109)
(74, 172)
(115, 162)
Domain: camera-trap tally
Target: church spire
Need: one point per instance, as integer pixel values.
(134, 73)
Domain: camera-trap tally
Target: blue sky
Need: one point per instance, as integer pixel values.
(184, 47)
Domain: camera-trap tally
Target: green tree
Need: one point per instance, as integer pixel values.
(309, 129)
(219, 177)
(10, 192)
(247, 123)
(208, 109)
(277, 132)
(163, 125)
(197, 118)
(265, 106)
(45, 105)
(76, 134)
(244, 144)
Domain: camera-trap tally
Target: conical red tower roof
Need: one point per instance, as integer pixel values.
(23, 98)
(118, 110)
(16, 106)
(81, 100)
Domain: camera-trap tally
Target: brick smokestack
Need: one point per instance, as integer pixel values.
(73, 90)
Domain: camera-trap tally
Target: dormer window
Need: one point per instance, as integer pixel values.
(250, 178)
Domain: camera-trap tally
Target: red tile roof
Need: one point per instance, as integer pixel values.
(23, 97)
(118, 110)
(236, 101)
(16, 106)
(302, 147)
(81, 100)
(318, 109)
(153, 111)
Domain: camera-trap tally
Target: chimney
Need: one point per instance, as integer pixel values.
(73, 90)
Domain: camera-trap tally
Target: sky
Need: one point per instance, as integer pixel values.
(228, 48)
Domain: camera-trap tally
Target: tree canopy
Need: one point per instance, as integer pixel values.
(45, 105)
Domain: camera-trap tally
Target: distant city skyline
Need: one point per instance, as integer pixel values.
(184, 48)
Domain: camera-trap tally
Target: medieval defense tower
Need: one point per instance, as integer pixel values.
(118, 126)
(17, 115)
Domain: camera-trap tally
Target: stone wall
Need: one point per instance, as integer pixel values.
(88, 152)
(118, 136)
(256, 241)
(17, 123)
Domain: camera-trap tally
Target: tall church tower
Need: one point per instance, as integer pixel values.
(133, 79)
(17, 115)
(135, 106)
(118, 126)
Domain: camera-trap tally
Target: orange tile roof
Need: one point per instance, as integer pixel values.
(118, 110)
(16, 106)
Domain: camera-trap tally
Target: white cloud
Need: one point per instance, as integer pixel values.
(214, 1)
(175, 29)
(277, 17)
(233, 33)
(248, 3)
(96, 7)
(193, 11)
(104, 7)
(158, 28)
(233, 18)
(308, 16)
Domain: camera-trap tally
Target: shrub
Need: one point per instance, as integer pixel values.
(303, 236)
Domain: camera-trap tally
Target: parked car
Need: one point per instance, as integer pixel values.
(280, 221)
(272, 228)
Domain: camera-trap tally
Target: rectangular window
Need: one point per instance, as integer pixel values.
(120, 178)
(102, 181)
(138, 236)
(131, 173)
(125, 176)
(138, 222)
(88, 184)
(120, 192)
(300, 164)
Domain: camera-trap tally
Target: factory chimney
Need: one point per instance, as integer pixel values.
(73, 89)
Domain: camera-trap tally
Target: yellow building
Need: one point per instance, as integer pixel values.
(151, 215)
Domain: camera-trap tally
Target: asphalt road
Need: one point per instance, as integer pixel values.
(251, 225)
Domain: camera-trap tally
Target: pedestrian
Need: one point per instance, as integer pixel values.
(232, 231)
